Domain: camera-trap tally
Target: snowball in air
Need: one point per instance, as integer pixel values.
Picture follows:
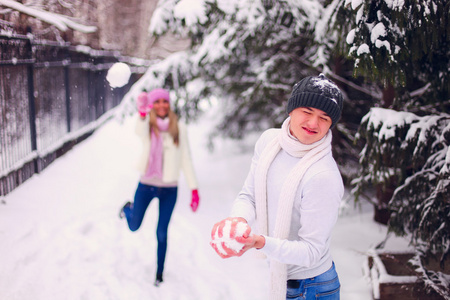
(118, 75)
(229, 242)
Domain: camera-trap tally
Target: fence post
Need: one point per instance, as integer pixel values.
(32, 112)
(66, 83)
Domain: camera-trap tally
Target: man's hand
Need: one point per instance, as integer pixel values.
(253, 241)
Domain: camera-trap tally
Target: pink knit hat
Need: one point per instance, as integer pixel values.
(158, 94)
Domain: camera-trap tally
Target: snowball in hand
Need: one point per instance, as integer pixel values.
(229, 242)
(118, 75)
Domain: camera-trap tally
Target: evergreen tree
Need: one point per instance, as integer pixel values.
(411, 155)
(244, 52)
(405, 45)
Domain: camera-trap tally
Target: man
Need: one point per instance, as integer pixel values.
(293, 192)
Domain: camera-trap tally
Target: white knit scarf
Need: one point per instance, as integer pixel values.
(309, 154)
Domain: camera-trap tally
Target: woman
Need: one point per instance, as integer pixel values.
(165, 153)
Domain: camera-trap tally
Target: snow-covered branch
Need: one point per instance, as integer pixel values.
(420, 91)
(60, 21)
(337, 77)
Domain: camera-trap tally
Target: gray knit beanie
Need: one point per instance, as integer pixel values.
(317, 92)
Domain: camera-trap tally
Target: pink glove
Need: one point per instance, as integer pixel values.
(195, 200)
(143, 104)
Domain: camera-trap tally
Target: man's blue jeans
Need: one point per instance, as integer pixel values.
(325, 286)
(135, 214)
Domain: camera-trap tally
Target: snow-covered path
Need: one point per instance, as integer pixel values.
(61, 237)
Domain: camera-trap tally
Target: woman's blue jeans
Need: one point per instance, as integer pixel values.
(135, 214)
(325, 286)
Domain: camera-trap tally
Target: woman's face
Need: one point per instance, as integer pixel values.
(161, 107)
(309, 124)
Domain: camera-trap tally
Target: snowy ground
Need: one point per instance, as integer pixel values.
(61, 237)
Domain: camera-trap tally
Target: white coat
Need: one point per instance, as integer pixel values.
(175, 157)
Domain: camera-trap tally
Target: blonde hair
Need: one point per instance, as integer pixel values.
(173, 125)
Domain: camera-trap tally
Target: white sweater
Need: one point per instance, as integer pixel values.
(307, 251)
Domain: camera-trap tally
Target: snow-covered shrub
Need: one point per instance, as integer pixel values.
(415, 152)
(403, 45)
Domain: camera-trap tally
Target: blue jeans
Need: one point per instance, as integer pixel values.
(135, 214)
(325, 286)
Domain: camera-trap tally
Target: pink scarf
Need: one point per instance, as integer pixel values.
(155, 160)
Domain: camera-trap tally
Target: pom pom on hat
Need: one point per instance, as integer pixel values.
(158, 94)
(317, 92)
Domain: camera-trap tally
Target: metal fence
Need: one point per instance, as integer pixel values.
(52, 96)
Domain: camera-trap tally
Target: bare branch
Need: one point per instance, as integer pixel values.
(60, 21)
(420, 91)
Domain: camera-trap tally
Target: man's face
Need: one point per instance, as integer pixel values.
(309, 124)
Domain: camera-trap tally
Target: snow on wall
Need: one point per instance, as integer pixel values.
(378, 275)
